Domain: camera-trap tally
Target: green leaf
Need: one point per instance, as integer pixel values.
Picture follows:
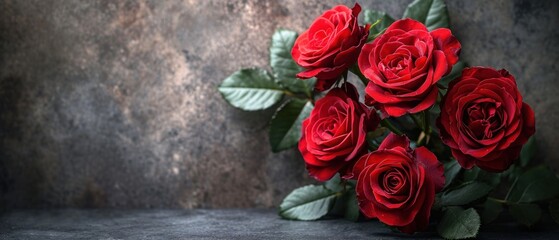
(554, 210)
(432, 13)
(451, 170)
(372, 16)
(335, 183)
(512, 173)
(465, 193)
(436, 110)
(528, 152)
(491, 211)
(471, 174)
(437, 205)
(352, 207)
(285, 129)
(251, 89)
(309, 84)
(283, 66)
(537, 184)
(346, 205)
(458, 223)
(492, 179)
(526, 214)
(307, 203)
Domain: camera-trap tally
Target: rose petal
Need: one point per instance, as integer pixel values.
(446, 42)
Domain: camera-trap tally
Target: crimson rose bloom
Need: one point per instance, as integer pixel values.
(334, 134)
(404, 65)
(483, 119)
(330, 46)
(397, 185)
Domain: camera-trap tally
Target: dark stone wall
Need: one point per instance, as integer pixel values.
(114, 103)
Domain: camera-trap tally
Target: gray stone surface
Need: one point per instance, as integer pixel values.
(114, 103)
(213, 224)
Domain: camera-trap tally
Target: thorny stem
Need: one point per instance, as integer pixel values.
(425, 126)
(417, 121)
(511, 187)
(289, 93)
(421, 139)
(498, 200)
(427, 122)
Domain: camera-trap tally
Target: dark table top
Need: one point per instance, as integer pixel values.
(211, 224)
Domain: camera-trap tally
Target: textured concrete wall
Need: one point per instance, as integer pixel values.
(114, 103)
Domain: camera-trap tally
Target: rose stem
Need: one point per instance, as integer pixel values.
(387, 124)
(498, 200)
(417, 121)
(288, 93)
(427, 125)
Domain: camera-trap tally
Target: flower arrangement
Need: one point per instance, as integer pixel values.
(431, 142)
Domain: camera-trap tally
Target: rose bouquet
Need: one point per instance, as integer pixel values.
(424, 140)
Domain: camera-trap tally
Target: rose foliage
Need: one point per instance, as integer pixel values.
(413, 139)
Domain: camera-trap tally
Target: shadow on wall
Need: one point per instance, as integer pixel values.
(14, 105)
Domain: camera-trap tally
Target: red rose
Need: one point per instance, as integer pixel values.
(404, 65)
(483, 119)
(330, 46)
(333, 136)
(397, 185)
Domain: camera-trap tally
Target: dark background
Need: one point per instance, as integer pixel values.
(114, 103)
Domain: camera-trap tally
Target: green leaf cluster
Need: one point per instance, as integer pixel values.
(254, 89)
(527, 193)
(432, 13)
(466, 193)
(469, 197)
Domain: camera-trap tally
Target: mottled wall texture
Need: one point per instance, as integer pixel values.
(114, 103)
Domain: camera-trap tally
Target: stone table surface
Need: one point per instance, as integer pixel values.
(210, 224)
